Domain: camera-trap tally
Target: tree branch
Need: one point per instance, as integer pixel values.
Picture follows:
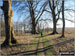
(45, 19)
(50, 4)
(39, 17)
(36, 5)
(41, 12)
(59, 11)
(68, 20)
(69, 10)
(40, 9)
(47, 11)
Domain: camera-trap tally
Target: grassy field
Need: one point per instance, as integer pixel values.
(36, 45)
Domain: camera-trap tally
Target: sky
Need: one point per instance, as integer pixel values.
(45, 15)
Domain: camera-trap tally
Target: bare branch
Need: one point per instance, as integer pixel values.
(45, 20)
(40, 9)
(59, 10)
(36, 5)
(50, 4)
(69, 10)
(68, 20)
(39, 17)
(47, 11)
(41, 12)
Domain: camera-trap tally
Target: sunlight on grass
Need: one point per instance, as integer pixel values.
(34, 42)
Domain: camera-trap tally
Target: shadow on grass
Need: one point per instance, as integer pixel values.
(16, 45)
(33, 52)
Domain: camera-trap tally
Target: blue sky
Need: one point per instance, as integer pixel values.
(69, 4)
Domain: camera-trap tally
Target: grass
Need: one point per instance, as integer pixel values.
(32, 41)
(49, 52)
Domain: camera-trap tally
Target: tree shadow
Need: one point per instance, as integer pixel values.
(37, 46)
(16, 45)
(33, 52)
(27, 43)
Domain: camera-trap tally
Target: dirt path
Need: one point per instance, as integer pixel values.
(37, 46)
(42, 46)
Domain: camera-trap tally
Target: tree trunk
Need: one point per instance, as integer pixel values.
(33, 22)
(33, 29)
(54, 23)
(32, 18)
(8, 13)
(63, 19)
(33, 25)
(38, 28)
(24, 28)
(52, 7)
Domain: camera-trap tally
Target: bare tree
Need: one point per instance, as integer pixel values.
(63, 19)
(52, 5)
(8, 13)
(31, 7)
(32, 16)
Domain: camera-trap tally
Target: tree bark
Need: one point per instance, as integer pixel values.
(63, 19)
(52, 7)
(8, 13)
(54, 23)
(33, 24)
(32, 18)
